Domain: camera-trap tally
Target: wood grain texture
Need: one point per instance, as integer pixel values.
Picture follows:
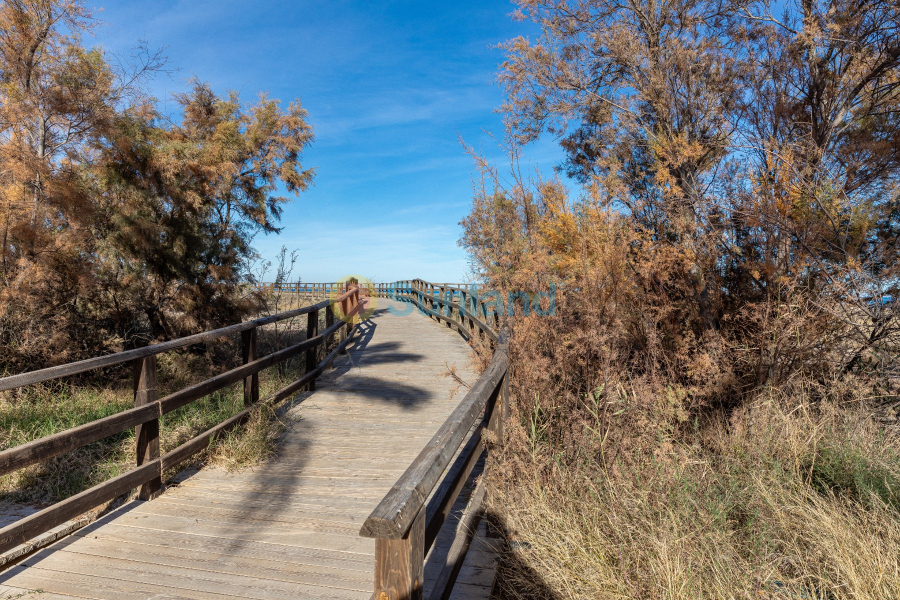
(395, 514)
(248, 355)
(287, 528)
(400, 565)
(146, 435)
(149, 408)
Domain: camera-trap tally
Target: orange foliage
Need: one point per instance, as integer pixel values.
(120, 226)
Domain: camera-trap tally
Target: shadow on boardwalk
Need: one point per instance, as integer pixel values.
(288, 528)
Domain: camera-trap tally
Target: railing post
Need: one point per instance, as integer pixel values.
(329, 321)
(146, 434)
(500, 410)
(400, 564)
(312, 330)
(347, 305)
(448, 306)
(464, 316)
(248, 354)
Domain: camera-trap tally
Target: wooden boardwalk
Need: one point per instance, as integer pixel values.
(289, 528)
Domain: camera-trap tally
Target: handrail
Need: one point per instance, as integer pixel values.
(41, 375)
(148, 409)
(296, 287)
(406, 522)
(394, 515)
(467, 306)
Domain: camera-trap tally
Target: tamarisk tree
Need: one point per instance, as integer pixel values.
(121, 224)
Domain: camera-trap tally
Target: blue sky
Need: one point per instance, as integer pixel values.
(389, 86)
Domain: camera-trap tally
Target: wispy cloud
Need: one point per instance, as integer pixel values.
(389, 86)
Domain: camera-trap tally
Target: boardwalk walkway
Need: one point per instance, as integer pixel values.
(289, 528)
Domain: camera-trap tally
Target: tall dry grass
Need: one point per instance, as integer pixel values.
(791, 496)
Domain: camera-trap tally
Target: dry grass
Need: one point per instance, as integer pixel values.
(788, 498)
(252, 444)
(44, 409)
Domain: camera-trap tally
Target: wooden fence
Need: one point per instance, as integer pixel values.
(148, 408)
(322, 289)
(406, 522)
(284, 287)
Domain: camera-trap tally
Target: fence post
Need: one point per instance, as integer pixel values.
(448, 306)
(346, 307)
(329, 321)
(464, 317)
(146, 434)
(400, 564)
(500, 410)
(248, 354)
(312, 330)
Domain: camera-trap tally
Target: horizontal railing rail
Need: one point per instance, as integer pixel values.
(300, 287)
(144, 417)
(297, 287)
(406, 522)
(457, 307)
(82, 366)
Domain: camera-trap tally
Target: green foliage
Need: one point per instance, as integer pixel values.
(847, 471)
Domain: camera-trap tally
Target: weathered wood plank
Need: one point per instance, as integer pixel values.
(147, 434)
(23, 530)
(393, 517)
(465, 531)
(289, 525)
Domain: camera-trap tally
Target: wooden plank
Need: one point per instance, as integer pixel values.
(11, 593)
(312, 330)
(132, 579)
(24, 529)
(445, 495)
(261, 518)
(248, 355)
(217, 562)
(306, 537)
(465, 532)
(263, 551)
(66, 441)
(204, 388)
(393, 517)
(400, 565)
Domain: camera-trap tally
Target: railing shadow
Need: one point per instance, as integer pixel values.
(275, 493)
(515, 579)
(287, 486)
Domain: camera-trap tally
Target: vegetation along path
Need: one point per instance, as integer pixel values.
(292, 525)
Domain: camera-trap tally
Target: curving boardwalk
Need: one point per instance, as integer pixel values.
(290, 528)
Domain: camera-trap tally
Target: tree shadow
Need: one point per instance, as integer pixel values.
(515, 579)
(286, 481)
(283, 507)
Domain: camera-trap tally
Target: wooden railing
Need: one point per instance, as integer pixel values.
(297, 287)
(406, 522)
(456, 307)
(148, 408)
